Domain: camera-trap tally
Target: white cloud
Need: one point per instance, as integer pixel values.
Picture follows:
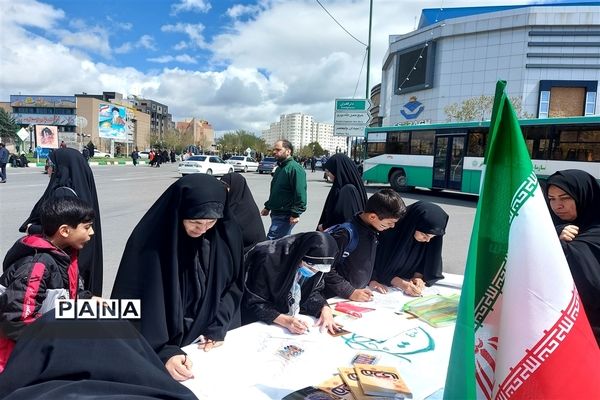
(182, 58)
(193, 31)
(94, 40)
(190, 5)
(240, 10)
(145, 41)
(308, 59)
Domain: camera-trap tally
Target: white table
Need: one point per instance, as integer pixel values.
(247, 366)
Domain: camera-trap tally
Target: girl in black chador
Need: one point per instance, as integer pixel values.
(409, 256)
(184, 261)
(70, 175)
(347, 195)
(285, 278)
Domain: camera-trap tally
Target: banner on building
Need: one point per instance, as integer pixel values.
(112, 122)
(46, 136)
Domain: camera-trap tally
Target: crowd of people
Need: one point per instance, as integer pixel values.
(214, 268)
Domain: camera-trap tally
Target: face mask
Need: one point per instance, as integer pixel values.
(306, 272)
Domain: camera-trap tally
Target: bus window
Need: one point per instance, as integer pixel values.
(537, 140)
(421, 143)
(574, 145)
(398, 143)
(476, 144)
(375, 149)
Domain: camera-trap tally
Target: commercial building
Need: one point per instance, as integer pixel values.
(160, 119)
(199, 132)
(301, 129)
(447, 69)
(93, 126)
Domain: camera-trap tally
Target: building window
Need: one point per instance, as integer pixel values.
(590, 103)
(544, 104)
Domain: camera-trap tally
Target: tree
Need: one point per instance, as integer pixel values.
(312, 149)
(480, 109)
(8, 126)
(237, 142)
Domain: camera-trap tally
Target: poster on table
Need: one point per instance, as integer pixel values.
(112, 122)
(46, 136)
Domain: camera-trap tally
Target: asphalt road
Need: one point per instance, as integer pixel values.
(126, 192)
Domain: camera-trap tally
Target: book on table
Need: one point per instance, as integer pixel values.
(336, 387)
(381, 380)
(348, 375)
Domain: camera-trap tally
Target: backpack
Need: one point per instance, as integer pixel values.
(352, 243)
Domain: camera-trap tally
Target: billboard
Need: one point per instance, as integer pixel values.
(46, 136)
(112, 122)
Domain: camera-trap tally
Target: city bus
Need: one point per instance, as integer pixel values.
(449, 156)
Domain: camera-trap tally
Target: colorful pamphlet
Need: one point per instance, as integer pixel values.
(436, 310)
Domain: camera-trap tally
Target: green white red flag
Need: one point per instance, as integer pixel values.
(521, 331)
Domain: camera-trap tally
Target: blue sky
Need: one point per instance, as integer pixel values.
(237, 63)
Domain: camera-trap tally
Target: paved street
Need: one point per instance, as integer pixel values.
(126, 192)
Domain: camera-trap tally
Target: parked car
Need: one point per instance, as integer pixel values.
(268, 165)
(144, 154)
(205, 164)
(98, 153)
(243, 163)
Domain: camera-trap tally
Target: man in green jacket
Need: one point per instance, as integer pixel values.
(287, 199)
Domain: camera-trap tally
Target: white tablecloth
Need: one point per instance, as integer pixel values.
(248, 365)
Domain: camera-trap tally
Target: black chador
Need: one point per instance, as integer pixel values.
(347, 196)
(72, 176)
(188, 286)
(399, 254)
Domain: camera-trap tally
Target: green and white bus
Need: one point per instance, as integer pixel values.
(450, 156)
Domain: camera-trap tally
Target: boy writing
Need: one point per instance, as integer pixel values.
(40, 268)
(351, 272)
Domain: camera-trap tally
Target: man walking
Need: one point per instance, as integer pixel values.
(287, 199)
(3, 161)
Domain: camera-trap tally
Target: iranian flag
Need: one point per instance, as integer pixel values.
(521, 331)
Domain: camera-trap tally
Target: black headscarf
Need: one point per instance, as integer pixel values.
(272, 267)
(242, 206)
(399, 254)
(188, 287)
(86, 359)
(585, 190)
(347, 195)
(583, 252)
(70, 170)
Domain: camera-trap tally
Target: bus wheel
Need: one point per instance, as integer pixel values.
(398, 182)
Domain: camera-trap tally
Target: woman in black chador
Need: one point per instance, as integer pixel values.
(409, 256)
(574, 198)
(285, 278)
(242, 206)
(347, 195)
(72, 176)
(184, 261)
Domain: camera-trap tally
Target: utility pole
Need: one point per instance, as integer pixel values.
(367, 89)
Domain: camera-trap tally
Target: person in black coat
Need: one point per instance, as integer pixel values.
(70, 175)
(347, 196)
(574, 199)
(184, 262)
(86, 359)
(285, 278)
(409, 256)
(242, 206)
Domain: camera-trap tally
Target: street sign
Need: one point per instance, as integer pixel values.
(348, 130)
(23, 134)
(352, 104)
(351, 117)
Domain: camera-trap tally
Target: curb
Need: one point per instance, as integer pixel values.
(33, 164)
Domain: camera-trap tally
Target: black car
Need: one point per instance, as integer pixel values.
(267, 165)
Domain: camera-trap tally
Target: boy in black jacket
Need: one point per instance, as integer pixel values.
(351, 272)
(40, 268)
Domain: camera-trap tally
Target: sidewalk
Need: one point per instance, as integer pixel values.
(33, 164)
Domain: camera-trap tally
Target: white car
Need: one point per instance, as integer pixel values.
(98, 153)
(204, 164)
(144, 155)
(243, 163)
